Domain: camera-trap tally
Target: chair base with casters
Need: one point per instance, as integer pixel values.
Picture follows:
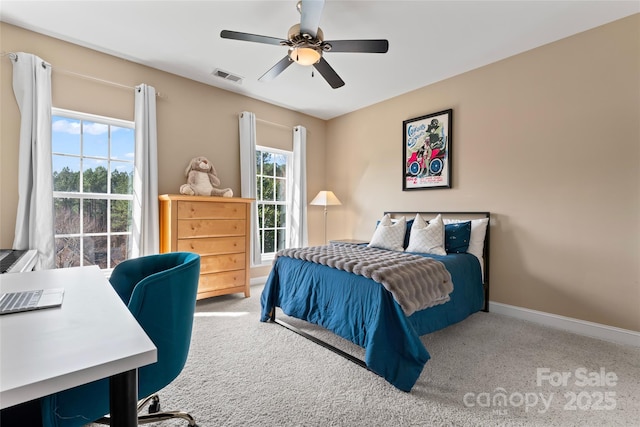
(160, 291)
(155, 414)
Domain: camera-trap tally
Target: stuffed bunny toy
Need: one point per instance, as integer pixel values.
(202, 180)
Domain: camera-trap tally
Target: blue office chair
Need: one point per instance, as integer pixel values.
(160, 291)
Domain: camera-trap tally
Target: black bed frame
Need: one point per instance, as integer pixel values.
(360, 362)
(485, 250)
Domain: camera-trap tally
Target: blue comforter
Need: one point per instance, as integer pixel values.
(364, 312)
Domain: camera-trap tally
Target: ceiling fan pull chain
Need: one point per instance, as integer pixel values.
(312, 75)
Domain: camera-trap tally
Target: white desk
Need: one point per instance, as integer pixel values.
(92, 336)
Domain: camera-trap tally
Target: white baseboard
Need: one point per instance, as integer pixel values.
(581, 327)
(577, 326)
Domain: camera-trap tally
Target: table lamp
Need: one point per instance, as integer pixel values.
(325, 198)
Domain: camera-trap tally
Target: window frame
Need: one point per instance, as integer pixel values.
(269, 256)
(81, 195)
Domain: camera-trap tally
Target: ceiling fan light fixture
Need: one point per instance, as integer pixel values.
(305, 55)
(306, 44)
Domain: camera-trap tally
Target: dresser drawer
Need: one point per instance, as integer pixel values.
(224, 280)
(217, 263)
(193, 210)
(208, 228)
(213, 245)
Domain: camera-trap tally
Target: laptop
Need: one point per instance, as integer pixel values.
(17, 261)
(16, 302)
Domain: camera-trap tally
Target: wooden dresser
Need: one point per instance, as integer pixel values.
(217, 228)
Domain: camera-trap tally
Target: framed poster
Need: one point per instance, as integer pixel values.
(426, 151)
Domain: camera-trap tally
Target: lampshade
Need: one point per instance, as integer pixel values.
(305, 55)
(325, 198)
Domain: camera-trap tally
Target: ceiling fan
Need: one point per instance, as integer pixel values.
(307, 45)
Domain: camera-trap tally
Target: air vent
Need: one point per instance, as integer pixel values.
(227, 76)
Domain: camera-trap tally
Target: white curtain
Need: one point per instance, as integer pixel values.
(34, 218)
(145, 176)
(297, 197)
(248, 178)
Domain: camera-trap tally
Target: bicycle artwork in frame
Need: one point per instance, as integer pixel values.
(426, 160)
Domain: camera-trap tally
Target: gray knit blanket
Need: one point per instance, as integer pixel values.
(415, 282)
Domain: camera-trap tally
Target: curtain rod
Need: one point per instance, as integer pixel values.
(273, 124)
(14, 57)
(267, 122)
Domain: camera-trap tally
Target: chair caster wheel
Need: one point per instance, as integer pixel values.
(154, 406)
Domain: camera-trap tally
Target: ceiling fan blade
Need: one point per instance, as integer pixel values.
(276, 69)
(235, 35)
(329, 73)
(365, 46)
(311, 11)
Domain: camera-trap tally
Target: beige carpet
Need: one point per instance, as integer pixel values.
(487, 370)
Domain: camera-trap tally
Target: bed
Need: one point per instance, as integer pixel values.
(366, 313)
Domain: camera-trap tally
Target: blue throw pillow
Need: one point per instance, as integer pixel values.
(407, 233)
(456, 237)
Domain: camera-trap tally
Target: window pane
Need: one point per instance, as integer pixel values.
(95, 251)
(95, 176)
(122, 143)
(258, 162)
(120, 216)
(67, 252)
(281, 165)
(267, 189)
(267, 164)
(261, 241)
(95, 139)
(260, 215)
(119, 249)
(269, 241)
(95, 216)
(282, 239)
(281, 190)
(281, 219)
(121, 178)
(65, 135)
(66, 173)
(259, 188)
(269, 216)
(67, 216)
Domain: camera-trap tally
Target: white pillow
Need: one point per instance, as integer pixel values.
(427, 238)
(389, 235)
(476, 240)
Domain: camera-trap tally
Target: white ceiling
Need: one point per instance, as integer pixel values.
(428, 40)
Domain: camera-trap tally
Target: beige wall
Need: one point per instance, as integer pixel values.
(193, 119)
(549, 142)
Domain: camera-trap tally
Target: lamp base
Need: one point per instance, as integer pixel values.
(325, 225)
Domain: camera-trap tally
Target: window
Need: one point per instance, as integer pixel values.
(93, 161)
(271, 182)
